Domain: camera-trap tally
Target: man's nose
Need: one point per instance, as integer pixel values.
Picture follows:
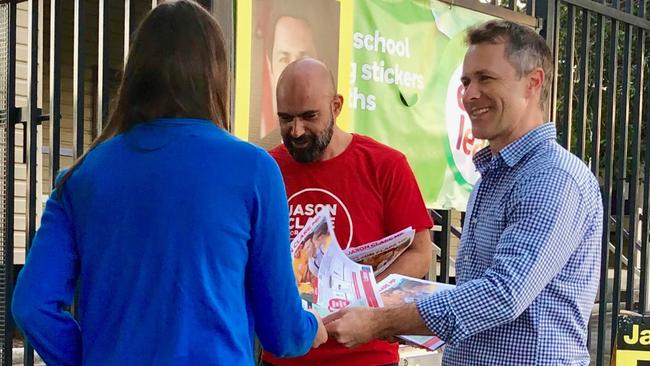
(298, 128)
(472, 92)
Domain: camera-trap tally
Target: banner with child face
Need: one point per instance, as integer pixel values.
(397, 64)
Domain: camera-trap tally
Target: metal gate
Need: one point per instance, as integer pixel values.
(83, 16)
(7, 85)
(602, 112)
(601, 101)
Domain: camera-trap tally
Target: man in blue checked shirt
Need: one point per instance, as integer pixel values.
(529, 258)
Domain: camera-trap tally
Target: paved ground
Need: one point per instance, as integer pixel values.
(432, 360)
(17, 358)
(594, 337)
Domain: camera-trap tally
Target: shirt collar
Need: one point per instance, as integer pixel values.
(482, 159)
(517, 149)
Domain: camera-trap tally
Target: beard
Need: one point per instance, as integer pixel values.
(312, 146)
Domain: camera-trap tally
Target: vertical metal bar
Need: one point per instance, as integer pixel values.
(55, 88)
(645, 210)
(581, 119)
(445, 241)
(78, 96)
(129, 10)
(433, 267)
(547, 10)
(597, 100)
(609, 163)
(10, 103)
(645, 225)
(31, 140)
(568, 77)
(635, 153)
(530, 8)
(103, 81)
(623, 120)
(554, 38)
(607, 180)
(79, 68)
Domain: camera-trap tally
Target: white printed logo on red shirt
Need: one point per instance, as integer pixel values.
(306, 203)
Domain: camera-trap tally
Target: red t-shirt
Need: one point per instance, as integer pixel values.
(372, 193)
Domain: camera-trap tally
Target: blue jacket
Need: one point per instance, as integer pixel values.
(178, 235)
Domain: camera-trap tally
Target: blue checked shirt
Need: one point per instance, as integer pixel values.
(529, 259)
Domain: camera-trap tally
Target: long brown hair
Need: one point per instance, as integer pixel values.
(177, 67)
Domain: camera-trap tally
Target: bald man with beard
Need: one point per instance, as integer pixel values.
(369, 187)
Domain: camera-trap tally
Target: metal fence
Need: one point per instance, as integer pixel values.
(600, 105)
(601, 58)
(7, 88)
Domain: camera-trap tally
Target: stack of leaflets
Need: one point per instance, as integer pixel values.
(330, 279)
(397, 289)
(327, 279)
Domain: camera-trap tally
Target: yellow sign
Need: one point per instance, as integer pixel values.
(633, 341)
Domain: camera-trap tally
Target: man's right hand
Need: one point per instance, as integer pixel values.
(354, 326)
(321, 333)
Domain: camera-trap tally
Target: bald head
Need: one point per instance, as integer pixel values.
(306, 75)
(307, 109)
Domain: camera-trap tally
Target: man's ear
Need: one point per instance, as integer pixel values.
(337, 104)
(535, 81)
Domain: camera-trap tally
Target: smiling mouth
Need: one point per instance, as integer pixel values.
(478, 111)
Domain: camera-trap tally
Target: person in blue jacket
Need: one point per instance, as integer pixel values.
(175, 231)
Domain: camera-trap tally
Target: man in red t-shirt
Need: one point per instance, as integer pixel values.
(369, 188)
